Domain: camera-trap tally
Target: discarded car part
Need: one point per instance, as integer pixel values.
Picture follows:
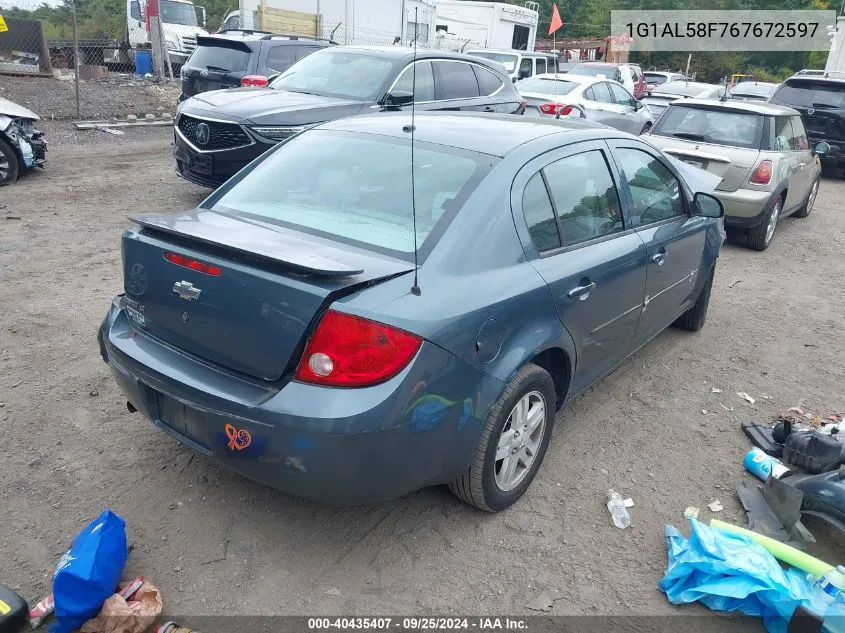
(13, 611)
(762, 436)
(813, 452)
(824, 495)
(22, 145)
(774, 511)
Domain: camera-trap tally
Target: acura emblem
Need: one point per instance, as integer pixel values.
(811, 111)
(203, 133)
(186, 290)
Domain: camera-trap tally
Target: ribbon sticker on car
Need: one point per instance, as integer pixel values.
(239, 439)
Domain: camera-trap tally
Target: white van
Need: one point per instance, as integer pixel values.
(519, 64)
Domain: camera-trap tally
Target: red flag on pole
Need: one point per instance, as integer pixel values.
(556, 21)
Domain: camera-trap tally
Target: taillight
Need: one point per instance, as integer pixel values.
(556, 108)
(350, 351)
(193, 264)
(254, 80)
(763, 174)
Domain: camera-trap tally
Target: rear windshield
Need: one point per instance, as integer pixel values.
(735, 129)
(338, 72)
(594, 71)
(356, 189)
(682, 88)
(811, 94)
(654, 78)
(506, 60)
(755, 90)
(219, 58)
(547, 86)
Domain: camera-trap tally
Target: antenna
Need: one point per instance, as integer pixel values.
(415, 289)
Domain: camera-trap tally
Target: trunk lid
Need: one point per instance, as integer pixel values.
(252, 314)
(732, 164)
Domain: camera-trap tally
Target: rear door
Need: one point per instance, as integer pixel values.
(599, 104)
(791, 165)
(455, 86)
(674, 239)
(595, 269)
(800, 146)
(495, 96)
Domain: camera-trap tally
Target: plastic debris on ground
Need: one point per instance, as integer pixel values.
(715, 506)
(618, 510)
(746, 397)
(545, 601)
(691, 512)
(763, 466)
(730, 572)
(89, 571)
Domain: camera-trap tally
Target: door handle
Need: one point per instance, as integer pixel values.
(659, 258)
(489, 109)
(582, 292)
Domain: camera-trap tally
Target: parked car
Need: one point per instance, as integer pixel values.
(519, 64)
(769, 170)
(656, 78)
(585, 97)
(821, 102)
(297, 329)
(629, 75)
(671, 91)
(754, 91)
(218, 133)
(242, 58)
(22, 144)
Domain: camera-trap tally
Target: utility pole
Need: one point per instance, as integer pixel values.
(156, 38)
(75, 59)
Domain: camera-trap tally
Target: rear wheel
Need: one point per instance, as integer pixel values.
(807, 207)
(9, 167)
(512, 444)
(694, 318)
(761, 235)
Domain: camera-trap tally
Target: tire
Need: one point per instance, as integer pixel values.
(9, 166)
(807, 207)
(480, 486)
(693, 319)
(761, 235)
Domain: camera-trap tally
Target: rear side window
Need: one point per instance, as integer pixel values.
(220, 59)
(601, 93)
(280, 58)
(455, 80)
(488, 82)
(799, 133)
(356, 188)
(526, 67)
(541, 66)
(584, 197)
(539, 215)
(424, 88)
(655, 191)
(710, 125)
(811, 94)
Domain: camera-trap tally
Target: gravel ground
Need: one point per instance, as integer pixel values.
(112, 96)
(216, 543)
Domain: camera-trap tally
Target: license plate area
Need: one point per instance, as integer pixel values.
(183, 422)
(696, 163)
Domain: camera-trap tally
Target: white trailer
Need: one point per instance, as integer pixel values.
(376, 22)
(836, 57)
(495, 25)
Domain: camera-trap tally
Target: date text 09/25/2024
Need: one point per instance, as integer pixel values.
(683, 30)
(418, 624)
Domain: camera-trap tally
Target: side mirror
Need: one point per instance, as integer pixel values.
(514, 79)
(638, 105)
(397, 99)
(707, 206)
(821, 148)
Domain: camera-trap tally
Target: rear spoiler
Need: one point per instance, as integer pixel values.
(254, 240)
(223, 42)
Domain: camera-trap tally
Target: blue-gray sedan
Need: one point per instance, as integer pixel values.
(286, 328)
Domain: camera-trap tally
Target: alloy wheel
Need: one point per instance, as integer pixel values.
(773, 221)
(520, 440)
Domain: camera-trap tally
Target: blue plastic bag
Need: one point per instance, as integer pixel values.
(88, 573)
(730, 572)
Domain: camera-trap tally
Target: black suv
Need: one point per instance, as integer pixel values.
(234, 58)
(821, 101)
(217, 133)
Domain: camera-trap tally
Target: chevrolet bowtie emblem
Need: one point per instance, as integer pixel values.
(186, 290)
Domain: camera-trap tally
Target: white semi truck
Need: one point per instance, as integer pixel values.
(181, 22)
